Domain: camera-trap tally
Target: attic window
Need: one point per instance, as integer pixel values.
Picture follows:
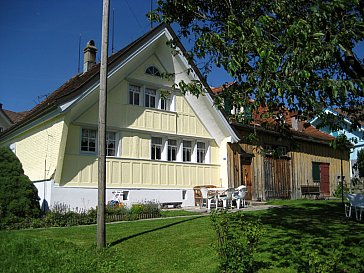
(152, 70)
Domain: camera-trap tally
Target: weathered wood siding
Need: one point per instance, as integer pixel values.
(282, 178)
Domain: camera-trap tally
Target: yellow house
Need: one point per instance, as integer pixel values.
(160, 143)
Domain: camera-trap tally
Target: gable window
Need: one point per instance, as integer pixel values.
(153, 71)
(88, 141)
(156, 150)
(201, 152)
(172, 150)
(150, 97)
(110, 144)
(134, 94)
(187, 151)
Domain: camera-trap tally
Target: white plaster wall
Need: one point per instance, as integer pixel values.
(86, 198)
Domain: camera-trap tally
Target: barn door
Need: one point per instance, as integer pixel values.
(277, 178)
(324, 179)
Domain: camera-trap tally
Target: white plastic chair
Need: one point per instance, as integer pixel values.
(204, 193)
(227, 197)
(239, 196)
(355, 201)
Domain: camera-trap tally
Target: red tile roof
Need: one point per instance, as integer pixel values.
(263, 119)
(14, 117)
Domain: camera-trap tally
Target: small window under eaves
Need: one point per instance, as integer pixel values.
(153, 71)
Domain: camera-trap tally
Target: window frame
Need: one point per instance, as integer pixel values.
(107, 145)
(153, 148)
(149, 96)
(88, 151)
(116, 142)
(170, 149)
(201, 151)
(133, 92)
(152, 70)
(144, 98)
(187, 151)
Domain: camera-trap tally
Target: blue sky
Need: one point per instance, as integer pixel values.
(39, 43)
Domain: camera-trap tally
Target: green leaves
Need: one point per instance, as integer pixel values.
(293, 53)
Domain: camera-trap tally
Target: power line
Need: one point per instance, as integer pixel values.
(132, 12)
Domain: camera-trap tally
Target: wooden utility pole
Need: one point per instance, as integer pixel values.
(101, 234)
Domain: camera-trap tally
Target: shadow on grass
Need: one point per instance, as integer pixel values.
(318, 225)
(151, 230)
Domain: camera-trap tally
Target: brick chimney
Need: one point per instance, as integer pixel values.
(89, 56)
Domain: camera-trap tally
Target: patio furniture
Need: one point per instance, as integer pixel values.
(226, 197)
(204, 194)
(310, 190)
(198, 196)
(215, 195)
(239, 196)
(355, 201)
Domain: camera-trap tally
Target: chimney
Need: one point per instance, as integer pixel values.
(89, 56)
(294, 120)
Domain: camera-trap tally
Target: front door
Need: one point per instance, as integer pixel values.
(247, 179)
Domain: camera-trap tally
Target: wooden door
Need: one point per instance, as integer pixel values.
(247, 179)
(239, 167)
(325, 179)
(277, 178)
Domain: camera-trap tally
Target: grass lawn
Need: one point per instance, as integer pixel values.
(185, 244)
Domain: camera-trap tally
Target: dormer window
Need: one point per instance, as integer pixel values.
(153, 71)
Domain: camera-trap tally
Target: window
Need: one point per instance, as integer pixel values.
(166, 104)
(110, 144)
(153, 71)
(156, 148)
(201, 152)
(134, 94)
(150, 97)
(88, 141)
(172, 150)
(316, 177)
(187, 150)
(1, 129)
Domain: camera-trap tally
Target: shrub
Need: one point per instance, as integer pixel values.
(18, 196)
(360, 163)
(338, 190)
(311, 259)
(145, 208)
(237, 239)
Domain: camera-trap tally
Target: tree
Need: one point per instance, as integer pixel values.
(294, 54)
(360, 163)
(18, 196)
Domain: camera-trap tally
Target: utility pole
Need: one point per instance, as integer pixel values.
(101, 234)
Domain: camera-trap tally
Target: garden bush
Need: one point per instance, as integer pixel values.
(18, 196)
(61, 215)
(237, 239)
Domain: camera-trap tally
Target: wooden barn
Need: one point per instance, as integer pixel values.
(301, 164)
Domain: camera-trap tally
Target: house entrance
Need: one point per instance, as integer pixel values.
(239, 168)
(277, 178)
